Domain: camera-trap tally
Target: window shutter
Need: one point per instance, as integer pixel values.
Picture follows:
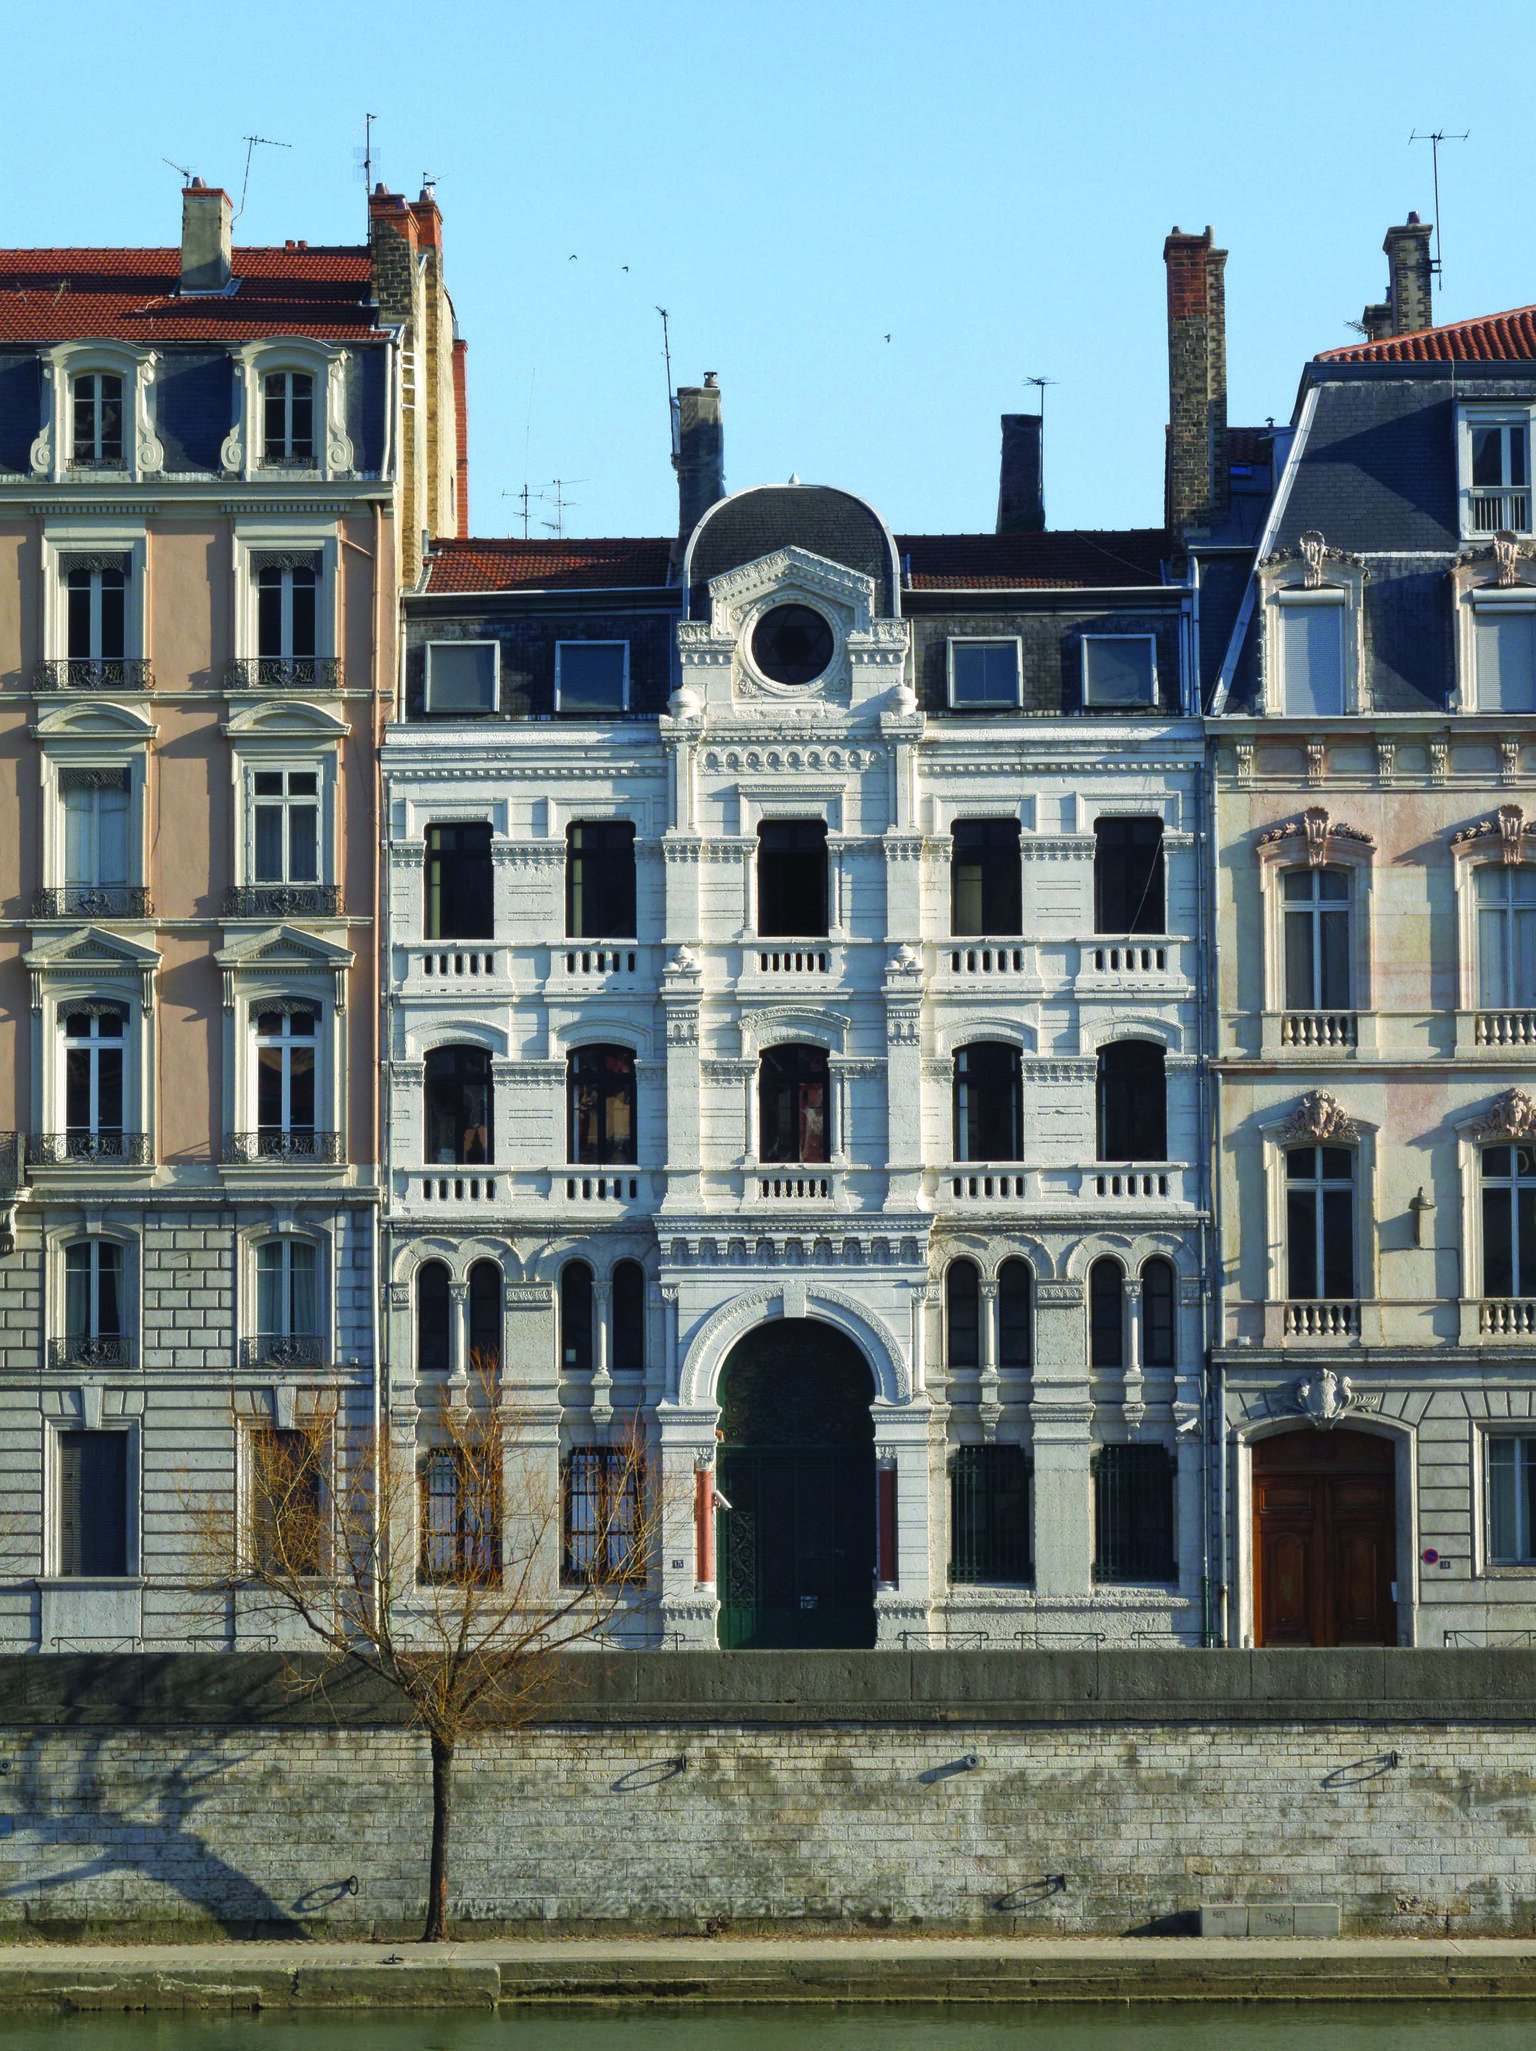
(93, 1502)
(71, 1454)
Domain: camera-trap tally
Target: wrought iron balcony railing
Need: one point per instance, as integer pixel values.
(68, 1149)
(283, 901)
(314, 1149)
(93, 901)
(90, 1351)
(284, 1349)
(81, 674)
(286, 673)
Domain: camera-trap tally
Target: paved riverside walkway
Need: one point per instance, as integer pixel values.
(245, 1977)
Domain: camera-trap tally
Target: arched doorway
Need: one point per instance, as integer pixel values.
(1324, 1539)
(797, 1466)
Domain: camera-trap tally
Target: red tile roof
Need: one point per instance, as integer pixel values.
(512, 565)
(1495, 338)
(1033, 562)
(131, 295)
(930, 562)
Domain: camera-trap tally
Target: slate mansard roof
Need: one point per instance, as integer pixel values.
(132, 295)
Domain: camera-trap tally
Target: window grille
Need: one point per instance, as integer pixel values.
(1133, 1514)
(989, 1492)
(602, 1515)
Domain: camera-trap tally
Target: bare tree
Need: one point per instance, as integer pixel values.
(456, 1571)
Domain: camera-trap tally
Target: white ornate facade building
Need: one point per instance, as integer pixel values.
(792, 963)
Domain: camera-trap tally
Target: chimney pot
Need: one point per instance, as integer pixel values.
(1020, 506)
(206, 223)
(700, 458)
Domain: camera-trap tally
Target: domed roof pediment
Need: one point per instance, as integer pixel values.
(814, 518)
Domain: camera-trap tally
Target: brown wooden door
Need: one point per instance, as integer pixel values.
(1324, 1539)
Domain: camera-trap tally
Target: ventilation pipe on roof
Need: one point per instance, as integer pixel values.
(206, 215)
(700, 457)
(1020, 506)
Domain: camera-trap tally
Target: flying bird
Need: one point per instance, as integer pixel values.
(887, 338)
(570, 259)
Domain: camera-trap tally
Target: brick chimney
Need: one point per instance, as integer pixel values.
(1198, 487)
(1020, 506)
(700, 458)
(392, 238)
(206, 215)
(1409, 276)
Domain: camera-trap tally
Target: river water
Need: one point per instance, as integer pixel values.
(1400, 2026)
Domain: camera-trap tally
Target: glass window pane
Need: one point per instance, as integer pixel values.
(461, 677)
(1518, 468)
(1299, 993)
(1498, 1243)
(109, 1290)
(590, 677)
(77, 1290)
(1117, 670)
(1333, 948)
(302, 631)
(304, 1297)
(1301, 1242)
(984, 673)
(269, 615)
(1493, 982)
(1487, 456)
(269, 844)
(1503, 1507)
(301, 1087)
(269, 1288)
(1312, 658)
(111, 810)
(1506, 660)
(1338, 1243)
(962, 1303)
(303, 844)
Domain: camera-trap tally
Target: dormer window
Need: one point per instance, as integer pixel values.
(97, 410)
(288, 418)
(984, 675)
(1504, 655)
(1119, 672)
(1311, 650)
(591, 679)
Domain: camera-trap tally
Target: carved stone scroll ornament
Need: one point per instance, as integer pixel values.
(1506, 553)
(1313, 550)
(1511, 826)
(1321, 1119)
(1328, 1398)
(1319, 831)
(1510, 1116)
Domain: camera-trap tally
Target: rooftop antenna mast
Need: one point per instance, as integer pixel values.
(186, 174)
(562, 504)
(1434, 137)
(250, 142)
(368, 121)
(1040, 384)
(672, 407)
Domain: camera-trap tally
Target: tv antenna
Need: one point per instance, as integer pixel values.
(522, 498)
(362, 153)
(185, 170)
(251, 142)
(1040, 384)
(561, 504)
(1434, 137)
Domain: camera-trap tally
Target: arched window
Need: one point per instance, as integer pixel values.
(962, 1314)
(485, 1317)
(288, 417)
(1315, 909)
(1133, 1102)
(97, 409)
(97, 611)
(1320, 1222)
(1128, 876)
(794, 1103)
(1506, 935)
(600, 1103)
(1015, 1288)
(459, 1104)
(989, 1116)
(1159, 1330)
(576, 1318)
(434, 1349)
(1106, 1314)
(629, 1318)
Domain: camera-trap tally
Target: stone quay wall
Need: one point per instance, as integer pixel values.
(1056, 1794)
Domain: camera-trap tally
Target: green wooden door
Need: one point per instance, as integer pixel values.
(797, 1466)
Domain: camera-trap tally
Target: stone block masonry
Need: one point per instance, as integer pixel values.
(1110, 1794)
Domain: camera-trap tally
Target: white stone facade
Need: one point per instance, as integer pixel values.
(862, 1240)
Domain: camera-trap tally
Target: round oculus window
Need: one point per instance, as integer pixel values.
(792, 644)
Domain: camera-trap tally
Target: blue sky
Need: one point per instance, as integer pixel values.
(987, 184)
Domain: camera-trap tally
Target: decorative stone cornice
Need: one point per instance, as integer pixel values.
(1320, 1118)
(1312, 551)
(1510, 1116)
(1511, 826)
(1319, 831)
